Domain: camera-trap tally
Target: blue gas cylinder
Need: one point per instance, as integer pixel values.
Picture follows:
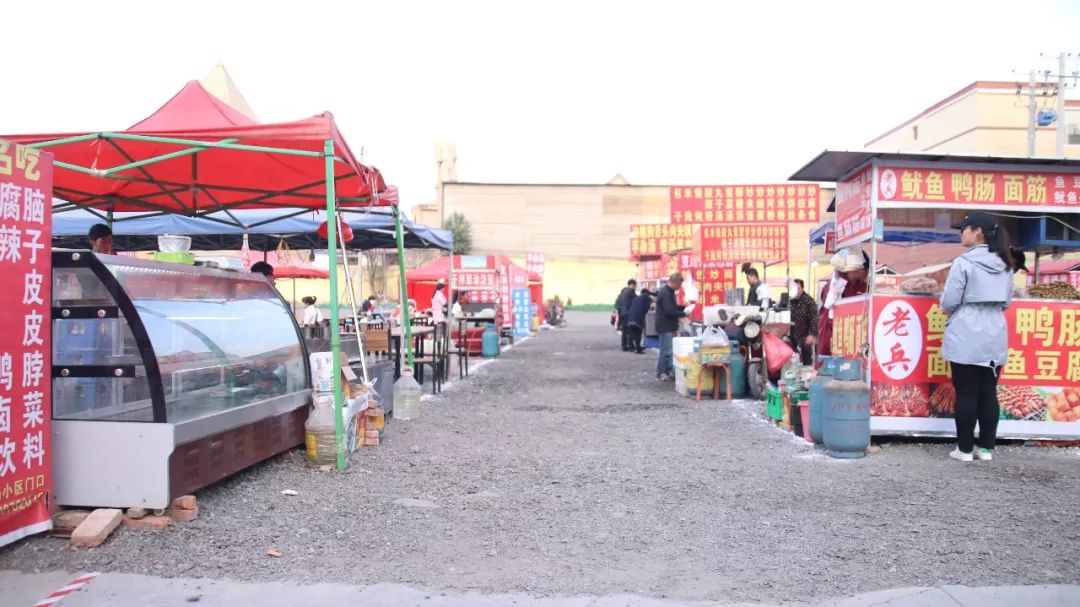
(489, 343)
(817, 397)
(846, 427)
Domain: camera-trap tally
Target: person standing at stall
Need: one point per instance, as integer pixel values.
(636, 321)
(622, 310)
(438, 303)
(804, 320)
(668, 314)
(759, 291)
(977, 292)
(100, 237)
(267, 270)
(313, 317)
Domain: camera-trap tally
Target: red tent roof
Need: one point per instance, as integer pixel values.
(192, 183)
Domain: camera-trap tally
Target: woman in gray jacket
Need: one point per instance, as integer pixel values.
(977, 292)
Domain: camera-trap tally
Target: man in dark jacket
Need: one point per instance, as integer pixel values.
(668, 314)
(636, 321)
(804, 321)
(622, 308)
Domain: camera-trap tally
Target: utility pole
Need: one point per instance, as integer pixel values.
(1032, 125)
(1060, 153)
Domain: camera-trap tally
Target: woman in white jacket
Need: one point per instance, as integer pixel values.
(977, 292)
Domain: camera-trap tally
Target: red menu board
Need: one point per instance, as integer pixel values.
(534, 263)
(658, 239)
(744, 243)
(786, 202)
(1001, 188)
(25, 348)
(1039, 383)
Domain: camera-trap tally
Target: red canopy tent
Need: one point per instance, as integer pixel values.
(182, 159)
(196, 155)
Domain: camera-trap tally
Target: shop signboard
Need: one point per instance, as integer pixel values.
(1039, 386)
(854, 208)
(522, 312)
(475, 280)
(473, 262)
(534, 263)
(713, 278)
(504, 297)
(659, 239)
(738, 243)
(25, 348)
(850, 320)
(993, 187)
(745, 204)
(659, 269)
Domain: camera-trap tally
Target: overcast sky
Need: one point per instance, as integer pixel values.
(662, 92)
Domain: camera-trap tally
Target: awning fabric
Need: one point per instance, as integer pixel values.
(265, 229)
(817, 235)
(213, 178)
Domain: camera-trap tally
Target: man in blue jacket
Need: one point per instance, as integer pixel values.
(668, 314)
(636, 323)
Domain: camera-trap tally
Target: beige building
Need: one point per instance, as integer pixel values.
(582, 230)
(985, 117)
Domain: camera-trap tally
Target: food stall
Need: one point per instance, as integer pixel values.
(187, 374)
(900, 333)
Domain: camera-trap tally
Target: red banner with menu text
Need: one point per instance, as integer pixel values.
(25, 341)
(740, 243)
(779, 202)
(1003, 188)
(658, 239)
(854, 211)
(1039, 382)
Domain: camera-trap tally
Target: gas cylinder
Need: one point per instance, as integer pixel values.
(817, 396)
(846, 427)
(489, 343)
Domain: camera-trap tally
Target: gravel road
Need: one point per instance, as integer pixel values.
(564, 468)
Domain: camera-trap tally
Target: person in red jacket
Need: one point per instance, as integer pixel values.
(851, 269)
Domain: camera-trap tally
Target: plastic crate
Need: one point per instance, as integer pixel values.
(774, 404)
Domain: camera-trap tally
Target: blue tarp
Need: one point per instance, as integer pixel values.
(817, 235)
(265, 229)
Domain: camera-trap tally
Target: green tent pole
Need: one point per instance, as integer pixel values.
(407, 321)
(335, 331)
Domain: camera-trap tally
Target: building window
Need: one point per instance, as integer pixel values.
(915, 132)
(1072, 127)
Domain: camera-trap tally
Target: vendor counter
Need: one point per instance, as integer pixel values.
(910, 382)
(167, 378)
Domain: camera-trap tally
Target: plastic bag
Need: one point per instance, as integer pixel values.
(714, 336)
(689, 289)
(777, 352)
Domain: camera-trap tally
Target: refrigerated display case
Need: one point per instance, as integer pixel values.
(167, 378)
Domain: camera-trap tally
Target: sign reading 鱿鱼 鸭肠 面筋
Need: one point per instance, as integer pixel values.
(932, 184)
(25, 341)
(778, 202)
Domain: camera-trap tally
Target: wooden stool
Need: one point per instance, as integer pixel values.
(716, 367)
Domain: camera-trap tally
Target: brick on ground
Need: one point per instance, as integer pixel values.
(148, 523)
(65, 522)
(185, 502)
(93, 531)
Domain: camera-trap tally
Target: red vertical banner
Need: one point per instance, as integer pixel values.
(854, 208)
(25, 341)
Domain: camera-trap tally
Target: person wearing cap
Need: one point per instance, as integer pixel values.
(977, 292)
(101, 239)
(267, 270)
(850, 270)
(438, 303)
